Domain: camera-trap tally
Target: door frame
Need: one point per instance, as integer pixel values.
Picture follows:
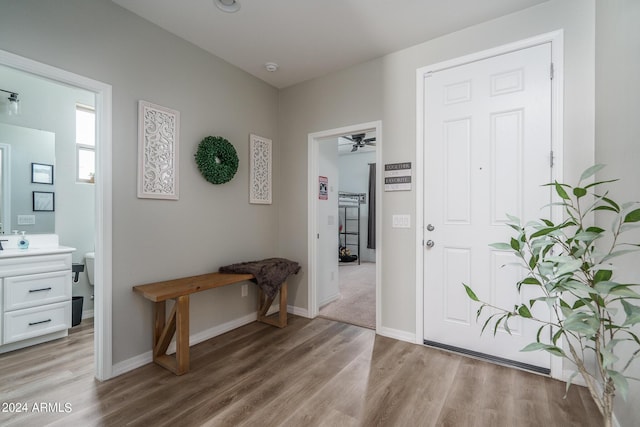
(556, 38)
(103, 188)
(5, 171)
(314, 139)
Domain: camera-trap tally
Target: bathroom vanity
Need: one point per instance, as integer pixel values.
(35, 291)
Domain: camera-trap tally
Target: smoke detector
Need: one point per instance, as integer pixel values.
(271, 66)
(228, 6)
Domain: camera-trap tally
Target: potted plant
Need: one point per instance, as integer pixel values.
(571, 263)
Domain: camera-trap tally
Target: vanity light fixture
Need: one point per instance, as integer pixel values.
(13, 107)
(229, 6)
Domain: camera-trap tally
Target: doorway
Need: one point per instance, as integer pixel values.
(487, 142)
(103, 281)
(338, 216)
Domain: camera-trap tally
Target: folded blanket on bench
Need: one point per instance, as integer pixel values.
(270, 273)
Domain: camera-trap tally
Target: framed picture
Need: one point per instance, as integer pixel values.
(259, 170)
(43, 201)
(41, 173)
(158, 149)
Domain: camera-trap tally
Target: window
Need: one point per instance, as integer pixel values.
(85, 143)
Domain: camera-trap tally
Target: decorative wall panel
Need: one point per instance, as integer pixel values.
(260, 152)
(158, 151)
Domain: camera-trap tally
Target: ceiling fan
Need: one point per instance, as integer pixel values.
(360, 141)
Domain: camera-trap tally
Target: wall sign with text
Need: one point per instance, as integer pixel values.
(397, 176)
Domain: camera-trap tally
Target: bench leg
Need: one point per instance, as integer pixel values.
(165, 330)
(264, 304)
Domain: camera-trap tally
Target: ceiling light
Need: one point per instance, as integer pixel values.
(228, 6)
(13, 106)
(271, 66)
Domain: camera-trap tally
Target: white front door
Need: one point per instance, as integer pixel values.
(487, 152)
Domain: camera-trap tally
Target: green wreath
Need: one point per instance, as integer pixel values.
(217, 159)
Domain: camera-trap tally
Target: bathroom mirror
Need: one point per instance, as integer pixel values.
(20, 148)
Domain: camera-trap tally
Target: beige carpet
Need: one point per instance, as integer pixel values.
(357, 302)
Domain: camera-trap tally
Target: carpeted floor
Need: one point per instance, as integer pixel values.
(357, 302)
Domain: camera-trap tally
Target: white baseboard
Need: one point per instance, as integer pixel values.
(87, 314)
(331, 299)
(397, 334)
(147, 357)
(302, 312)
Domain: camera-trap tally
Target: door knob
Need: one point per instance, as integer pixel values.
(429, 243)
(430, 227)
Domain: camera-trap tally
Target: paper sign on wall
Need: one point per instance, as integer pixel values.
(323, 193)
(397, 176)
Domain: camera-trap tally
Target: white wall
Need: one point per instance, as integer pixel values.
(327, 263)
(211, 225)
(618, 140)
(385, 89)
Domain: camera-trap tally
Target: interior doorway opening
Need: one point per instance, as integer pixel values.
(344, 216)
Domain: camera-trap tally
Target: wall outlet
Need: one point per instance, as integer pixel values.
(245, 290)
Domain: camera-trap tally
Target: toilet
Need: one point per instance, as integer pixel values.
(90, 260)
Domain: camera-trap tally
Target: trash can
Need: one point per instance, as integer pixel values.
(76, 310)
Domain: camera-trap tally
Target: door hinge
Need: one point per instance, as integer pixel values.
(551, 158)
(551, 71)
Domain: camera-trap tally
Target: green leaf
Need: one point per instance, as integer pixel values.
(632, 312)
(586, 236)
(602, 275)
(620, 383)
(561, 192)
(589, 172)
(633, 216)
(471, 294)
(515, 244)
(501, 246)
(579, 192)
(556, 351)
(524, 312)
(530, 281)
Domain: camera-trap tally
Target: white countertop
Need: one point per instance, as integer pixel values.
(14, 253)
(39, 244)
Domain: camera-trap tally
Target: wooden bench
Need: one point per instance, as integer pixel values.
(179, 290)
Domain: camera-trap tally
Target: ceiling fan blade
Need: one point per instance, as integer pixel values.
(371, 144)
(355, 148)
(369, 139)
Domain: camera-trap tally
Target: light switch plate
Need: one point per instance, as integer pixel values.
(401, 221)
(26, 219)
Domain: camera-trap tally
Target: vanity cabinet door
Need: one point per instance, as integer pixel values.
(36, 289)
(32, 322)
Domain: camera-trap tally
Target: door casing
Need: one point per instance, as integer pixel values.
(103, 269)
(312, 198)
(556, 40)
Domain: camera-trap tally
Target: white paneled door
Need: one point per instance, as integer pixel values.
(487, 153)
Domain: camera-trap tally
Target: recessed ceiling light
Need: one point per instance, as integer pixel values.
(228, 6)
(271, 66)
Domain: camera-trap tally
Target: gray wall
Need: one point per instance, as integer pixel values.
(385, 89)
(152, 239)
(618, 138)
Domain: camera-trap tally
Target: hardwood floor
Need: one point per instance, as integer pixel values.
(312, 373)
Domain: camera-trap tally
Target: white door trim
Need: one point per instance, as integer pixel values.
(312, 198)
(556, 38)
(6, 187)
(103, 268)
